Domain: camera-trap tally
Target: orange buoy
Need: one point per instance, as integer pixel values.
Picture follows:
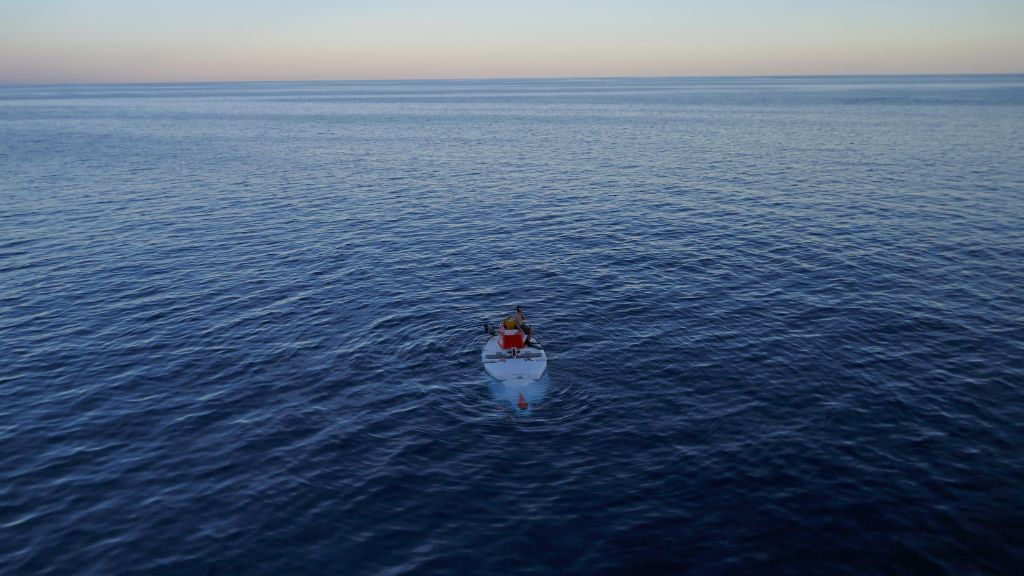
(522, 402)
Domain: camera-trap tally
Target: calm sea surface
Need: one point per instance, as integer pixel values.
(241, 327)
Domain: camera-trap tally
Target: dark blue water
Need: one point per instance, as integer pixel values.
(241, 327)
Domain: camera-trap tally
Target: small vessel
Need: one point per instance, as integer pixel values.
(508, 358)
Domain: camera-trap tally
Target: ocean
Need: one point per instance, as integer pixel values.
(241, 327)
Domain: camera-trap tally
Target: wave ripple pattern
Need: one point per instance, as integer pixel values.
(241, 327)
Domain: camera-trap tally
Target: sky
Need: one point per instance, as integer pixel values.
(43, 41)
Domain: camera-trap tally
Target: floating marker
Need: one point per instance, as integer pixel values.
(522, 402)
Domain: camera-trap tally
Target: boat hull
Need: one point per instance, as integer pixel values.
(527, 364)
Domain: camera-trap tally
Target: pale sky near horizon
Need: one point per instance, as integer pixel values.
(192, 40)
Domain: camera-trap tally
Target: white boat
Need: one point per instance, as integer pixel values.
(508, 359)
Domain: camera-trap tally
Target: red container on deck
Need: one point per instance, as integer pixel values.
(510, 338)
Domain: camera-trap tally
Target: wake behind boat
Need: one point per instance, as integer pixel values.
(508, 358)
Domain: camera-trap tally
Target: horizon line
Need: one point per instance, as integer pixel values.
(511, 78)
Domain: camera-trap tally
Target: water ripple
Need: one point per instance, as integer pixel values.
(242, 327)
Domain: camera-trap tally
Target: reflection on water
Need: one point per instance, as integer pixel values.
(520, 396)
